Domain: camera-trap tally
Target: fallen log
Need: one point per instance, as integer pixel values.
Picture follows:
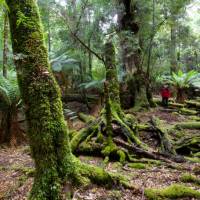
(176, 105)
(186, 111)
(192, 103)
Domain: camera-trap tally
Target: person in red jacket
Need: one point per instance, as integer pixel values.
(165, 93)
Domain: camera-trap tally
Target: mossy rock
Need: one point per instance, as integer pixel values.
(189, 178)
(138, 165)
(174, 191)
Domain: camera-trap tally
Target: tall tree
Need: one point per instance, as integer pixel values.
(5, 44)
(131, 51)
(47, 130)
(174, 9)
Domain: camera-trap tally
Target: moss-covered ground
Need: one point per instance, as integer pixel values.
(17, 169)
(148, 177)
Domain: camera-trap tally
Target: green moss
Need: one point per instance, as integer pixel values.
(100, 137)
(188, 125)
(83, 173)
(80, 136)
(189, 178)
(194, 118)
(174, 191)
(197, 154)
(109, 148)
(122, 156)
(111, 73)
(25, 170)
(138, 165)
(41, 95)
(114, 194)
(193, 159)
(146, 161)
(187, 111)
(86, 118)
(117, 165)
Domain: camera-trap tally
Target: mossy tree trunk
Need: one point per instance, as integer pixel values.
(47, 129)
(41, 95)
(131, 55)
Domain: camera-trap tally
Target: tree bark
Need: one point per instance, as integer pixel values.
(5, 44)
(41, 95)
(47, 131)
(131, 52)
(173, 45)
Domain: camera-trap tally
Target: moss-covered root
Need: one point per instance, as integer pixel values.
(165, 143)
(83, 174)
(174, 191)
(189, 178)
(86, 118)
(188, 125)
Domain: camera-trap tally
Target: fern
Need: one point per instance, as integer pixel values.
(3, 4)
(181, 79)
(9, 91)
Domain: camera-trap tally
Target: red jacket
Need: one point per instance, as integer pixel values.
(165, 92)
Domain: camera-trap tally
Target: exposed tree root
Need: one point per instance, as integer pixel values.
(123, 142)
(188, 144)
(188, 125)
(114, 135)
(194, 104)
(166, 145)
(83, 174)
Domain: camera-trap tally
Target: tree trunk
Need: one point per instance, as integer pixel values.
(47, 131)
(6, 127)
(173, 45)
(5, 44)
(41, 95)
(148, 85)
(180, 98)
(49, 29)
(131, 55)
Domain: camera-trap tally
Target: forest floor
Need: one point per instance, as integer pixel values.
(17, 168)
